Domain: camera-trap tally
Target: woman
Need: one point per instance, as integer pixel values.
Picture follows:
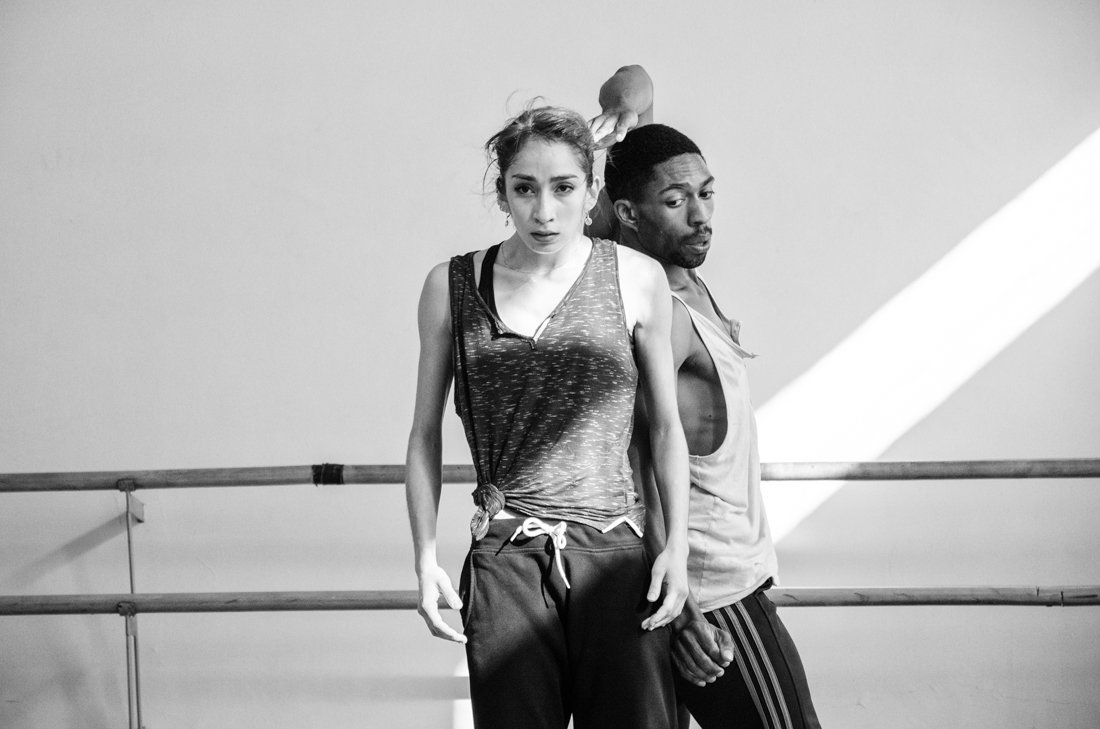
(546, 337)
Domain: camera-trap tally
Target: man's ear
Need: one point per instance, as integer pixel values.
(626, 213)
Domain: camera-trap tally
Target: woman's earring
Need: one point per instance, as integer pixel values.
(588, 219)
(507, 219)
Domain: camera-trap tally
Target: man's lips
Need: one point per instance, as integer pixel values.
(700, 240)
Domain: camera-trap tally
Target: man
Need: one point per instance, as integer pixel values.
(738, 664)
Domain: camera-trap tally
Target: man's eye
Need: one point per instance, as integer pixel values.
(674, 202)
(706, 194)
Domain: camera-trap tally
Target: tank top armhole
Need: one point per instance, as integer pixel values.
(691, 317)
(619, 289)
(456, 283)
(485, 282)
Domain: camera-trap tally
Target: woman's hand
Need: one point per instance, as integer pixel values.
(422, 463)
(670, 573)
(433, 583)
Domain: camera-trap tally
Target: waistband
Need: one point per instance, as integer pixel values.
(498, 537)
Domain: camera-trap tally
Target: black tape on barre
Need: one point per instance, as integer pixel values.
(328, 474)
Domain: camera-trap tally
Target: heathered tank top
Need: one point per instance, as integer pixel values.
(730, 549)
(548, 418)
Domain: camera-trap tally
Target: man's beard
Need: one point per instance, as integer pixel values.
(685, 257)
(684, 260)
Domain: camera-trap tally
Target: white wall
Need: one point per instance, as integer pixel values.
(214, 223)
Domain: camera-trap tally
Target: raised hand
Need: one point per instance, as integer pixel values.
(612, 125)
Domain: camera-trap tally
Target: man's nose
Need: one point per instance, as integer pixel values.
(699, 211)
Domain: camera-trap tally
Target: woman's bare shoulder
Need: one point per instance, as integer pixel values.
(438, 276)
(638, 268)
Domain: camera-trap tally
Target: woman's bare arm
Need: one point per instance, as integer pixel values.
(423, 460)
(649, 302)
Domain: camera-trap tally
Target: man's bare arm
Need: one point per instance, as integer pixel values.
(626, 102)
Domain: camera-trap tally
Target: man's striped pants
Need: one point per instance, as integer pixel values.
(765, 686)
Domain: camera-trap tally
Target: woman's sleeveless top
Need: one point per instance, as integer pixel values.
(548, 418)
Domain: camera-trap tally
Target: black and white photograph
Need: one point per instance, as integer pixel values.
(388, 365)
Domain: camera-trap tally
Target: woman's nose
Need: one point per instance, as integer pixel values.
(544, 208)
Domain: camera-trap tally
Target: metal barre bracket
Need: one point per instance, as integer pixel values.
(135, 509)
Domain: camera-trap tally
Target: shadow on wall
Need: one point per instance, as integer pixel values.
(68, 552)
(292, 688)
(78, 705)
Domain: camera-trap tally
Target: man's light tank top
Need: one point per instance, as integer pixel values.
(730, 544)
(548, 418)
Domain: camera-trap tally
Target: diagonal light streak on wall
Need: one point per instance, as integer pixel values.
(937, 333)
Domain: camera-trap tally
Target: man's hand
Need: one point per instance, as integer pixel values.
(612, 125)
(669, 572)
(433, 583)
(626, 101)
(700, 651)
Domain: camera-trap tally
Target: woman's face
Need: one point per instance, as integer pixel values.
(546, 192)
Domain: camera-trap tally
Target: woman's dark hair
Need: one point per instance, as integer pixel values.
(543, 123)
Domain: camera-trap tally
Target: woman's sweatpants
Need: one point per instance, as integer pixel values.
(539, 653)
(765, 687)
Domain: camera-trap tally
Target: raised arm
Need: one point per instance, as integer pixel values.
(626, 102)
(423, 460)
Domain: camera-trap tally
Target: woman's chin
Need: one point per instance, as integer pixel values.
(546, 245)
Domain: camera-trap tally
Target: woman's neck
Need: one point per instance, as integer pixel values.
(518, 256)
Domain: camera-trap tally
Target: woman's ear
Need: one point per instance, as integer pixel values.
(626, 213)
(593, 194)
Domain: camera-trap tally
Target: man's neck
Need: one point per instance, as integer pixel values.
(680, 279)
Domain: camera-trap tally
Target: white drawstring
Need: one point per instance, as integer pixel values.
(533, 527)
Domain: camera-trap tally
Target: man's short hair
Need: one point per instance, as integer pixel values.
(630, 162)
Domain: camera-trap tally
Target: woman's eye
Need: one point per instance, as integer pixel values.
(523, 189)
(565, 189)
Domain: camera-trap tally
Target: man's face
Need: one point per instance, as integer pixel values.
(674, 212)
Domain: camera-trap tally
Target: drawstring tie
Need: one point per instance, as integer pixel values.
(533, 527)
